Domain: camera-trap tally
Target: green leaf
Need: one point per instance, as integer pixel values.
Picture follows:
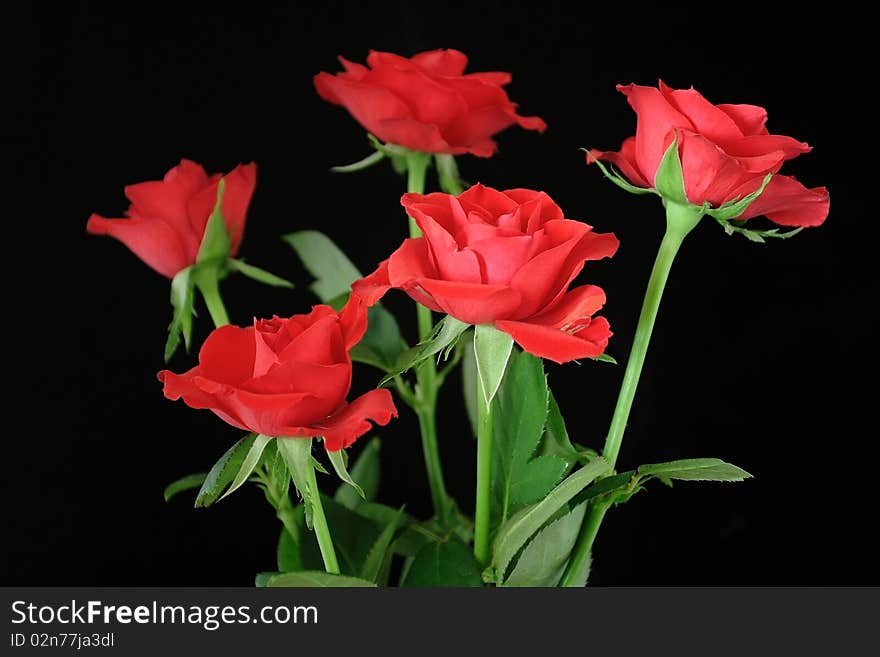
(215, 241)
(257, 274)
(297, 454)
(316, 579)
(543, 559)
(182, 300)
(183, 484)
(447, 174)
(288, 553)
(339, 460)
(469, 378)
(611, 173)
(382, 343)
(735, 208)
(248, 463)
(694, 470)
(378, 560)
(443, 338)
(514, 534)
(366, 471)
(445, 564)
(223, 471)
(555, 440)
(331, 268)
(520, 414)
(360, 165)
(492, 350)
(669, 179)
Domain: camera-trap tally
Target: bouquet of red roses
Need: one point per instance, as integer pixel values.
(492, 274)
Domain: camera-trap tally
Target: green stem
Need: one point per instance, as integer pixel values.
(484, 477)
(426, 373)
(319, 522)
(680, 220)
(210, 289)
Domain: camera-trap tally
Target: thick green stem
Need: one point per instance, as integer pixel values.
(484, 477)
(426, 373)
(680, 220)
(319, 522)
(210, 289)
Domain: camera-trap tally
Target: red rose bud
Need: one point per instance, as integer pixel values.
(726, 152)
(285, 377)
(167, 218)
(502, 258)
(426, 103)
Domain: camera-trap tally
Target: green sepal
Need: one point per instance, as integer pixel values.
(184, 484)
(257, 274)
(492, 349)
(367, 473)
(248, 463)
(183, 302)
(224, 471)
(339, 461)
(669, 179)
(297, 454)
(734, 208)
(442, 339)
(611, 173)
(447, 174)
(370, 160)
(215, 244)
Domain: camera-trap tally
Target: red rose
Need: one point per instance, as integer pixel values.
(503, 258)
(167, 218)
(725, 150)
(426, 103)
(285, 377)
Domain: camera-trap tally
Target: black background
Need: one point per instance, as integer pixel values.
(760, 356)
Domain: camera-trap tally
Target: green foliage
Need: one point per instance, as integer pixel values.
(693, 470)
(515, 533)
(312, 579)
(297, 454)
(521, 409)
(378, 562)
(215, 240)
(382, 344)
(542, 561)
(333, 271)
(448, 564)
(556, 441)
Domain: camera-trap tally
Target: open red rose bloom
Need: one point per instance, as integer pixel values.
(502, 258)
(285, 377)
(725, 150)
(426, 103)
(167, 218)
